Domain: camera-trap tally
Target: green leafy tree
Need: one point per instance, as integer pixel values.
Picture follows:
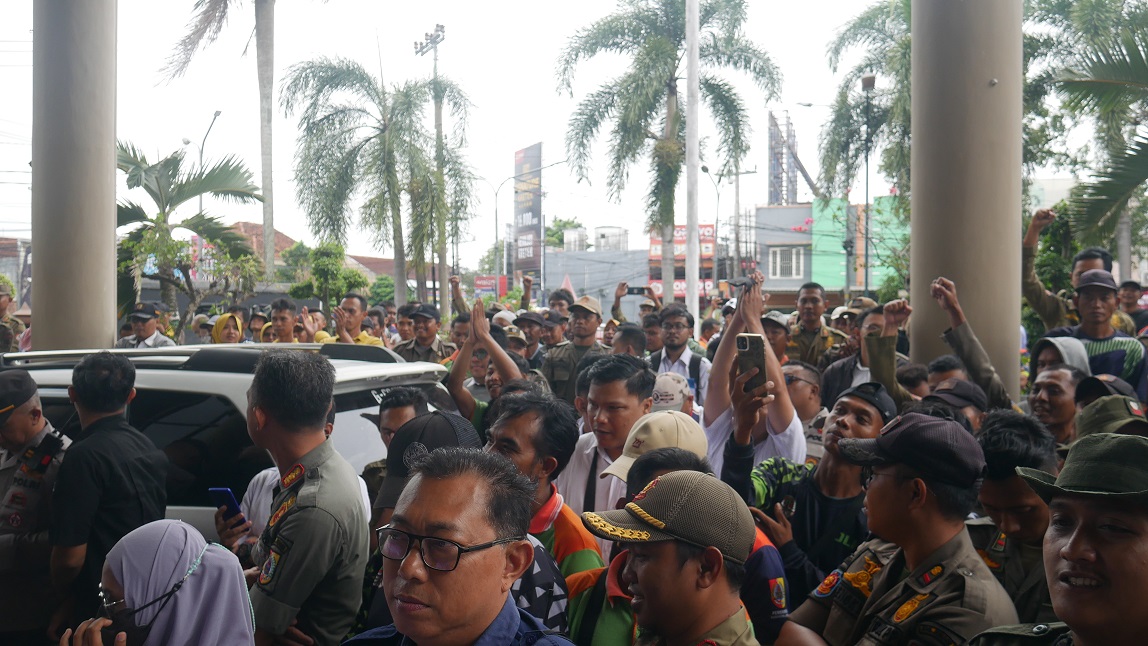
(642, 104)
(206, 25)
(555, 229)
(361, 143)
(491, 261)
(383, 289)
(224, 265)
(329, 276)
(296, 262)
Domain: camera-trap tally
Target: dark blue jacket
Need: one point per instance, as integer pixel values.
(512, 627)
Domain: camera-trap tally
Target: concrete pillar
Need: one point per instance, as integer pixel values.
(74, 173)
(966, 170)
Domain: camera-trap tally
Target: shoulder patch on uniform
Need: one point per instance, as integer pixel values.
(862, 578)
(908, 608)
(828, 585)
(267, 574)
(292, 476)
(777, 593)
(278, 515)
(999, 543)
(993, 565)
(933, 634)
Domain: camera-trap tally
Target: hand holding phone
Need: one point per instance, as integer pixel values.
(751, 354)
(223, 497)
(636, 291)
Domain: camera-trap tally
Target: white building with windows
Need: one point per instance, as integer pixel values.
(784, 245)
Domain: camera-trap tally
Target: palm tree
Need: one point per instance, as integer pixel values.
(206, 24)
(356, 137)
(643, 102)
(1112, 79)
(150, 249)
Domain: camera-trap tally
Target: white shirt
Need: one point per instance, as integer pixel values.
(256, 503)
(682, 367)
(860, 375)
(789, 444)
(156, 340)
(571, 483)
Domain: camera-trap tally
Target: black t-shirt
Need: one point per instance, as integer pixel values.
(111, 481)
(1140, 319)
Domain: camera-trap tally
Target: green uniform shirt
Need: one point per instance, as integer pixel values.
(11, 343)
(1056, 634)
(437, 352)
(734, 631)
(313, 550)
(809, 346)
(561, 364)
(947, 599)
(1004, 557)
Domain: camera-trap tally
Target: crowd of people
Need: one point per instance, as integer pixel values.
(603, 483)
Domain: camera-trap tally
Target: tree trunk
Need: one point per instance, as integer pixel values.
(441, 212)
(668, 263)
(400, 255)
(421, 279)
(265, 64)
(666, 207)
(1124, 244)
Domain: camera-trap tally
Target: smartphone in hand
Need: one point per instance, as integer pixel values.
(636, 291)
(751, 354)
(223, 497)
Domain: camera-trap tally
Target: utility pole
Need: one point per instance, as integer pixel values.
(867, 83)
(430, 43)
(201, 145)
(693, 246)
(737, 217)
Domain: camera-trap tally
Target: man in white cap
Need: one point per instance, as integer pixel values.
(672, 392)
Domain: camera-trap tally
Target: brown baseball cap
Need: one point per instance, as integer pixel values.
(588, 303)
(687, 506)
(656, 431)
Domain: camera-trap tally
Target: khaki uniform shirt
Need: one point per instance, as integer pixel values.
(313, 551)
(809, 346)
(1057, 310)
(1028, 589)
(25, 515)
(437, 352)
(11, 342)
(560, 368)
(735, 631)
(870, 599)
(1052, 634)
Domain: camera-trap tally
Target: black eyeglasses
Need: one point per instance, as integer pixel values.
(674, 327)
(789, 379)
(436, 553)
(867, 477)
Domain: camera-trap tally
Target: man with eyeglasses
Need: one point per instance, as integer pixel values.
(922, 581)
(559, 366)
(675, 356)
(454, 547)
(803, 382)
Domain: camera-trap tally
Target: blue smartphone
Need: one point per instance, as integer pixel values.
(223, 497)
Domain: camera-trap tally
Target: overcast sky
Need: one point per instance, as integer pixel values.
(503, 54)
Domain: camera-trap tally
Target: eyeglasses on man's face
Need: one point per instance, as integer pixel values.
(436, 553)
(675, 327)
(789, 379)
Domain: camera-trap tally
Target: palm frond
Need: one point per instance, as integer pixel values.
(584, 125)
(732, 120)
(227, 239)
(642, 96)
(875, 28)
(1109, 78)
(313, 84)
(1097, 209)
(128, 212)
(622, 33)
(228, 179)
(207, 22)
(738, 53)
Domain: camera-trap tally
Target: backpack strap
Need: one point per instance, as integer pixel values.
(593, 611)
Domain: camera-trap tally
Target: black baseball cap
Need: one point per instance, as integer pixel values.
(16, 388)
(422, 434)
(1098, 386)
(530, 317)
(554, 319)
(426, 310)
(939, 449)
(959, 393)
(1096, 278)
(876, 395)
(145, 311)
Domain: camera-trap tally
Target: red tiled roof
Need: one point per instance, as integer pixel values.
(253, 231)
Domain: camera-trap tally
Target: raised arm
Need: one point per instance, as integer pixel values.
(480, 328)
(1043, 302)
(616, 308)
(527, 287)
(717, 393)
(462, 397)
(882, 352)
(780, 413)
(964, 342)
(456, 298)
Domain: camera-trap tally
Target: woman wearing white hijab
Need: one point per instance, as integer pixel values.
(163, 584)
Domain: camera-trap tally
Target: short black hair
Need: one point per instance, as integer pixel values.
(708, 325)
(557, 424)
(953, 502)
(510, 495)
(651, 320)
(631, 335)
(406, 311)
(1131, 284)
(401, 397)
(816, 286)
(811, 372)
(561, 294)
(461, 317)
(238, 310)
(294, 388)
(386, 304)
(103, 382)
(945, 363)
(582, 381)
(1010, 440)
(359, 297)
(1094, 253)
(499, 335)
(378, 313)
(1076, 375)
(912, 375)
(870, 311)
(676, 309)
(522, 364)
(670, 458)
(283, 304)
(635, 372)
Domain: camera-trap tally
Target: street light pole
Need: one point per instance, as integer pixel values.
(867, 83)
(717, 213)
(430, 44)
(201, 145)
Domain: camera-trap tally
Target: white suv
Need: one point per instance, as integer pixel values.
(192, 402)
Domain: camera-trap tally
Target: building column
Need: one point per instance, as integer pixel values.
(74, 173)
(966, 172)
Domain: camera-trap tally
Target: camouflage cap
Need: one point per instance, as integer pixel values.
(687, 506)
(1113, 467)
(1111, 414)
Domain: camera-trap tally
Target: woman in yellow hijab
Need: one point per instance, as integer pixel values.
(226, 330)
